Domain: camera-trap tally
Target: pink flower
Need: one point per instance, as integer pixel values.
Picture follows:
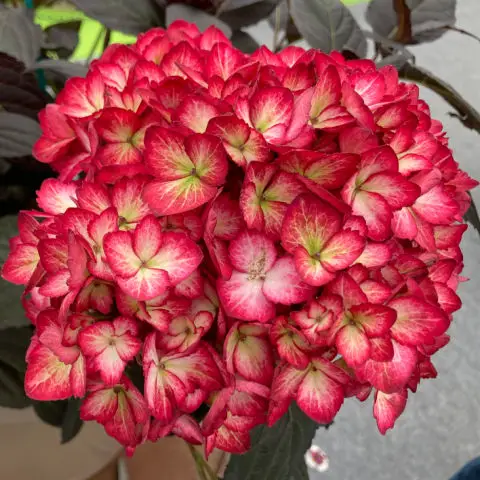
(259, 279)
(148, 261)
(312, 232)
(110, 346)
(236, 232)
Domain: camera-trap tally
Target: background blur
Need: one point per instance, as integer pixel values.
(440, 430)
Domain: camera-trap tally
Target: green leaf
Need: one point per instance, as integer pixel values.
(429, 19)
(62, 38)
(471, 216)
(72, 423)
(18, 134)
(63, 35)
(244, 41)
(13, 346)
(51, 413)
(277, 453)
(11, 309)
(127, 16)
(12, 394)
(63, 67)
(19, 36)
(64, 414)
(280, 19)
(203, 20)
(328, 25)
(241, 13)
(19, 90)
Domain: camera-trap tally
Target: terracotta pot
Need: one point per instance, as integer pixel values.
(31, 449)
(170, 459)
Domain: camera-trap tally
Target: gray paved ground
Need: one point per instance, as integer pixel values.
(440, 429)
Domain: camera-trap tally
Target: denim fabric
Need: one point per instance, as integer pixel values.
(471, 471)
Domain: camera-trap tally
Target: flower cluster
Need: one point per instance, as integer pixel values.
(244, 231)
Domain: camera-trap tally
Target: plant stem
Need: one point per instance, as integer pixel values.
(404, 30)
(464, 111)
(106, 39)
(203, 468)
(198, 463)
(276, 30)
(95, 45)
(210, 473)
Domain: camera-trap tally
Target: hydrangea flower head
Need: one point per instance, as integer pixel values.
(245, 230)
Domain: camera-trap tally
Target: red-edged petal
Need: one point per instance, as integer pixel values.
(179, 256)
(119, 154)
(223, 60)
(120, 254)
(355, 105)
(388, 407)
(252, 252)
(145, 284)
(393, 375)
(192, 286)
(376, 212)
(229, 221)
(286, 381)
(147, 238)
(253, 359)
(208, 157)
(20, 265)
(377, 160)
(394, 188)
(243, 298)
(382, 349)
(342, 250)
(116, 125)
(56, 197)
(311, 269)
(376, 292)
(327, 91)
(331, 171)
(177, 196)
(56, 284)
(165, 154)
(290, 343)
(127, 199)
(320, 397)
(99, 405)
(347, 289)
(447, 298)
(353, 345)
(123, 426)
(284, 285)
(357, 140)
(376, 320)
(310, 223)
(187, 428)
(47, 377)
(162, 391)
(437, 207)
(53, 254)
(270, 107)
(195, 112)
(181, 56)
(93, 197)
(230, 441)
(404, 224)
(417, 322)
(375, 255)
